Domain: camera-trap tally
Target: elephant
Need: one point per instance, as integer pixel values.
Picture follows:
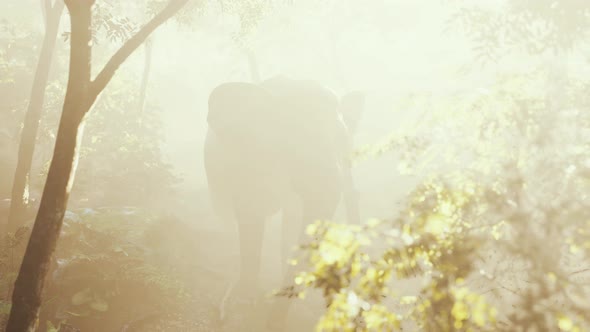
(269, 145)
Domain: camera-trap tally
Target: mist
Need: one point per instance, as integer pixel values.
(295, 166)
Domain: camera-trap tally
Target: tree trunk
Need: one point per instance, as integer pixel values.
(147, 69)
(20, 185)
(80, 96)
(253, 65)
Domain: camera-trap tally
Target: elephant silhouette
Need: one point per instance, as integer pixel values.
(270, 144)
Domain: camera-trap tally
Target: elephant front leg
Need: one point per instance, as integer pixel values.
(290, 228)
(351, 199)
(277, 319)
(251, 235)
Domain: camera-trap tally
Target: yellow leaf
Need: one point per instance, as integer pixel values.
(497, 230)
(298, 280)
(564, 323)
(408, 299)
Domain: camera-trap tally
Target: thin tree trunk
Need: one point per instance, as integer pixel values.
(147, 69)
(253, 65)
(20, 185)
(81, 94)
(28, 288)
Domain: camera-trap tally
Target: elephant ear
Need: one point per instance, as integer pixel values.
(240, 111)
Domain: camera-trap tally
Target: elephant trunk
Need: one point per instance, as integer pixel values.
(351, 108)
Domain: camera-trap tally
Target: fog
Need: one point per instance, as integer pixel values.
(442, 88)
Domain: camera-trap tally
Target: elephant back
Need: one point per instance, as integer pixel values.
(304, 102)
(307, 113)
(242, 115)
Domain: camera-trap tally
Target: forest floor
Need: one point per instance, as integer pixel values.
(210, 272)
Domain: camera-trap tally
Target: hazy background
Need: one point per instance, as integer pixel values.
(403, 54)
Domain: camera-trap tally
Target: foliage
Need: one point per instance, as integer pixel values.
(534, 26)
(117, 148)
(249, 12)
(107, 272)
(107, 25)
(120, 148)
(115, 28)
(185, 17)
(16, 61)
(496, 244)
(139, 158)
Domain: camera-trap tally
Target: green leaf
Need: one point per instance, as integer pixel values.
(4, 308)
(99, 305)
(51, 327)
(82, 314)
(82, 297)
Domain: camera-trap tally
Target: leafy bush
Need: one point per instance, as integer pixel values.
(497, 244)
(117, 148)
(106, 274)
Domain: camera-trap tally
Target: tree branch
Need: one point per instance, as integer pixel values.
(107, 73)
(58, 6)
(54, 13)
(44, 12)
